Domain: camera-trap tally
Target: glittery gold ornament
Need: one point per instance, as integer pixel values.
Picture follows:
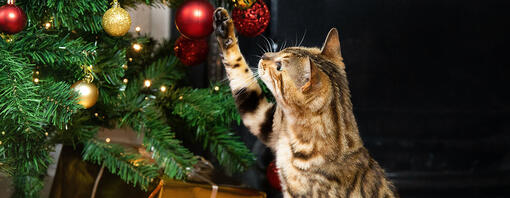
(88, 93)
(116, 21)
(243, 4)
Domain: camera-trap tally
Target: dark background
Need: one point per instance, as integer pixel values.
(429, 87)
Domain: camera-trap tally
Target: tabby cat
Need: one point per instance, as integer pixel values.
(311, 127)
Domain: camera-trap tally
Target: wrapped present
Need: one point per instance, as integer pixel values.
(202, 172)
(171, 188)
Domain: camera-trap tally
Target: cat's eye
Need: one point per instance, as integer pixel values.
(279, 66)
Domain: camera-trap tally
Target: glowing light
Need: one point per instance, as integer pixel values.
(36, 80)
(46, 134)
(125, 80)
(3, 132)
(197, 13)
(125, 67)
(137, 47)
(130, 59)
(138, 29)
(216, 88)
(180, 97)
(96, 114)
(147, 83)
(37, 72)
(162, 88)
(107, 140)
(47, 25)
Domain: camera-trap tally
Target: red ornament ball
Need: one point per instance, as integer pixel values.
(191, 52)
(272, 176)
(12, 19)
(194, 19)
(253, 21)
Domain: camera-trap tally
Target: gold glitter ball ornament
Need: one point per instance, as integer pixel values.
(243, 4)
(116, 21)
(88, 93)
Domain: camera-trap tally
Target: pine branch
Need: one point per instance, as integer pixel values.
(121, 163)
(211, 112)
(167, 150)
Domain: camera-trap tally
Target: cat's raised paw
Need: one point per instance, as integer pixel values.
(222, 22)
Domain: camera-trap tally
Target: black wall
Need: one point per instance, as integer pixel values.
(429, 85)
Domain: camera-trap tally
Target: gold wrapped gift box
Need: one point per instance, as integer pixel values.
(172, 189)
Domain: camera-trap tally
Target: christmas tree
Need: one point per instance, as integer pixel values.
(139, 83)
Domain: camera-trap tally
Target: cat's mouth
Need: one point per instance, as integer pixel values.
(264, 75)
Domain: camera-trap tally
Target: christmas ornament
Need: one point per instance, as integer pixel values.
(272, 176)
(88, 93)
(253, 21)
(191, 52)
(243, 4)
(194, 19)
(116, 21)
(12, 18)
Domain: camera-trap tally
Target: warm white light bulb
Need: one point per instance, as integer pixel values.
(147, 83)
(162, 88)
(137, 47)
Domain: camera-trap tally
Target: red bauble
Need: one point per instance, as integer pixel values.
(191, 52)
(12, 18)
(194, 19)
(252, 21)
(272, 176)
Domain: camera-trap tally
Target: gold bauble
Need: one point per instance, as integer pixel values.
(243, 4)
(88, 93)
(116, 21)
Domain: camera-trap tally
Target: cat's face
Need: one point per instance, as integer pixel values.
(294, 77)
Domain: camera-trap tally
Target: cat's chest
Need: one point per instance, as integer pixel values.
(295, 174)
(297, 180)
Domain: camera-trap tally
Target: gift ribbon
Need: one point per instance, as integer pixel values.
(214, 190)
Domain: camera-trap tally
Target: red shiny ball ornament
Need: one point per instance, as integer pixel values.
(272, 176)
(12, 18)
(253, 21)
(194, 19)
(191, 52)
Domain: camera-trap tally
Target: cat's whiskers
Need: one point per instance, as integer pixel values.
(247, 83)
(302, 39)
(270, 47)
(261, 48)
(284, 45)
(225, 79)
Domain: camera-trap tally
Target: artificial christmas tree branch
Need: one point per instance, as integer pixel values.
(137, 88)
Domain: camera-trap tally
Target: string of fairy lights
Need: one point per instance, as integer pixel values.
(137, 47)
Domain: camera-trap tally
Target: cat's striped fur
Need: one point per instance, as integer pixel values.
(311, 127)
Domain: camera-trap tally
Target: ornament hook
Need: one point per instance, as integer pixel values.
(89, 77)
(115, 3)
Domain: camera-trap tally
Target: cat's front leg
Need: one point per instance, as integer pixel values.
(256, 112)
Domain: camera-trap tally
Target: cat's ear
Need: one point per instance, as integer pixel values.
(311, 76)
(331, 46)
